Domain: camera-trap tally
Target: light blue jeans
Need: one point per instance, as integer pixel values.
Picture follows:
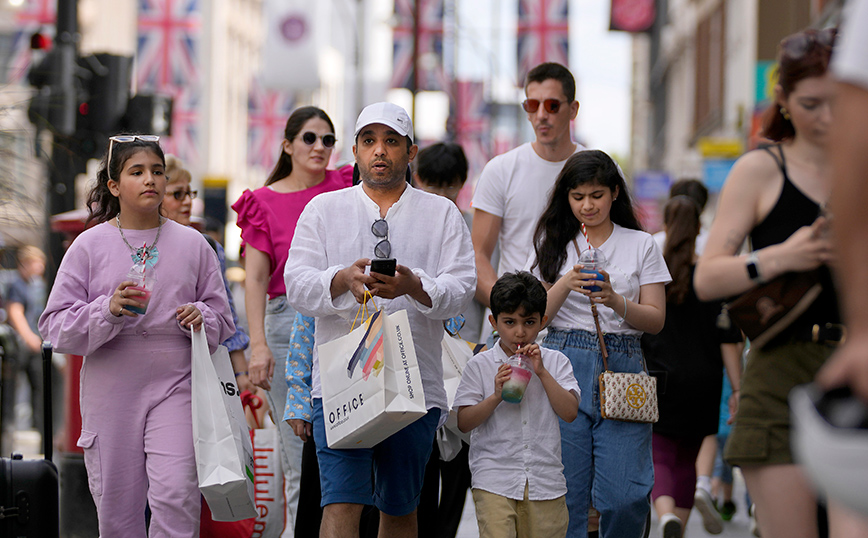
(278, 324)
(607, 463)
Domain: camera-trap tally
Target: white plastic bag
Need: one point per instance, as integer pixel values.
(224, 453)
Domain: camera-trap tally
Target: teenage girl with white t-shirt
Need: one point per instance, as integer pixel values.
(607, 463)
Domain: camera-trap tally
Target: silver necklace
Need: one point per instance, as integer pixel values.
(144, 255)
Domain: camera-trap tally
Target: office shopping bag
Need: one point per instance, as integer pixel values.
(371, 384)
(224, 454)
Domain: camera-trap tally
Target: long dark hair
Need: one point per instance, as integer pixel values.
(293, 126)
(801, 55)
(102, 205)
(558, 225)
(681, 218)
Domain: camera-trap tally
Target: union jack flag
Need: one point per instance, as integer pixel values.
(472, 127)
(168, 63)
(33, 15)
(430, 31)
(267, 111)
(543, 34)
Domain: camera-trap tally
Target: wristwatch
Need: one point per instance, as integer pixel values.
(753, 270)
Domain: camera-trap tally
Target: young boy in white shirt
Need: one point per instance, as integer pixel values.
(515, 449)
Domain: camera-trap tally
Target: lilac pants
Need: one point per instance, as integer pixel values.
(137, 436)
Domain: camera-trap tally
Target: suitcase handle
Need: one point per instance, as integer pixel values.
(47, 437)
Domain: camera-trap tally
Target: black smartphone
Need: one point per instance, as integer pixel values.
(384, 266)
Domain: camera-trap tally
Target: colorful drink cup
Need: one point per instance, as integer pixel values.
(513, 389)
(144, 283)
(592, 260)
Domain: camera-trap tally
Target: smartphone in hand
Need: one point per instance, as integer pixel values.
(384, 266)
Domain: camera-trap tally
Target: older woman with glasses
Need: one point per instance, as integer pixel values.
(267, 217)
(774, 197)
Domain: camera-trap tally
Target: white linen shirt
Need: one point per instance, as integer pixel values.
(519, 443)
(427, 234)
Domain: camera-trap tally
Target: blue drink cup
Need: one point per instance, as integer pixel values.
(592, 269)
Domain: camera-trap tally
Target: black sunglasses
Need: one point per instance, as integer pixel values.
(380, 229)
(181, 194)
(550, 105)
(328, 140)
(796, 46)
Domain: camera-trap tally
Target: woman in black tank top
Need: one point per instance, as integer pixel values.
(773, 197)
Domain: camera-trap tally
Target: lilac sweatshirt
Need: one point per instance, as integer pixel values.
(77, 319)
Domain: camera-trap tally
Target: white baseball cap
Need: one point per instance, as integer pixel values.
(388, 114)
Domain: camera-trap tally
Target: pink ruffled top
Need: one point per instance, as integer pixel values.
(267, 220)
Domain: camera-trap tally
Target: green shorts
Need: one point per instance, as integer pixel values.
(761, 433)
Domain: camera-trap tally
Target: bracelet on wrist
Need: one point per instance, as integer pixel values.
(239, 374)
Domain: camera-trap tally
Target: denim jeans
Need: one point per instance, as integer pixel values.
(607, 463)
(278, 324)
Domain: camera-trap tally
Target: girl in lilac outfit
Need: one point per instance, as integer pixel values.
(135, 381)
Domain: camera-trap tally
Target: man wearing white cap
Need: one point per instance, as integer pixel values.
(435, 277)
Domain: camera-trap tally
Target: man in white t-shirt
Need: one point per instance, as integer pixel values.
(848, 149)
(514, 187)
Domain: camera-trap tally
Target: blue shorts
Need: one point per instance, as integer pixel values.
(389, 475)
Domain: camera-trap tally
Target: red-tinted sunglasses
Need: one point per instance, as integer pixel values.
(550, 105)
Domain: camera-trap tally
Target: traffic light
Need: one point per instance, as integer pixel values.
(147, 113)
(105, 90)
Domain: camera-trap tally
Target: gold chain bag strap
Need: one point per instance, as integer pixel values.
(625, 397)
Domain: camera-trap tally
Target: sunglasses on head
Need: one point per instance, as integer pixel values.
(328, 140)
(550, 105)
(380, 229)
(796, 46)
(181, 194)
(120, 139)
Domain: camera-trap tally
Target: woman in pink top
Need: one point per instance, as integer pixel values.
(267, 218)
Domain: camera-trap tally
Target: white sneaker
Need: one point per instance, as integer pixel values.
(754, 528)
(670, 526)
(711, 519)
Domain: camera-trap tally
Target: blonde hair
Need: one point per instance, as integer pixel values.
(175, 170)
(29, 252)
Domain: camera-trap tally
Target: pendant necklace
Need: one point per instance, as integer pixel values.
(145, 255)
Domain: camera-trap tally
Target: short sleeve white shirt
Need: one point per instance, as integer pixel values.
(850, 61)
(519, 443)
(633, 259)
(515, 186)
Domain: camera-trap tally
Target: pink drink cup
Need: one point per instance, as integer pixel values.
(144, 299)
(513, 389)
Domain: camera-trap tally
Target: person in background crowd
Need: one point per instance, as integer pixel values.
(24, 301)
(267, 218)
(607, 463)
(514, 187)
(442, 169)
(774, 196)
(137, 431)
(687, 357)
(434, 280)
(177, 206)
(696, 191)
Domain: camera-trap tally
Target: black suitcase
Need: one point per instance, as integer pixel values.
(29, 492)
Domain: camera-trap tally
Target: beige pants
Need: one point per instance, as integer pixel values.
(500, 517)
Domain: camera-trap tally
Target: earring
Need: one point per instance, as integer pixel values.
(785, 114)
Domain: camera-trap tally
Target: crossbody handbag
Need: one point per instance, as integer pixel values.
(623, 396)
